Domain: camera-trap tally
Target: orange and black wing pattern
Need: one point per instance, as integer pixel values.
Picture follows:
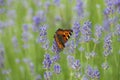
(61, 37)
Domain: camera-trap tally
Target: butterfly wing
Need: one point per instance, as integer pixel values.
(62, 36)
(58, 39)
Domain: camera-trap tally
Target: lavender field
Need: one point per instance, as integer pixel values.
(28, 50)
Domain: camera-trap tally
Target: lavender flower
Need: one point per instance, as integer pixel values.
(38, 77)
(86, 31)
(110, 7)
(31, 65)
(117, 31)
(85, 77)
(2, 2)
(79, 7)
(98, 31)
(78, 74)
(14, 42)
(70, 60)
(57, 68)
(47, 75)
(43, 37)
(2, 51)
(6, 72)
(47, 4)
(76, 29)
(55, 48)
(47, 61)
(92, 54)
(81, 49)
(107, 45)
(38, 19)
(76, 65)
(90, 72)
(96, 74)
(105, 66)
(25, 36)
(55, 58)
(117, 5)
(56, 2)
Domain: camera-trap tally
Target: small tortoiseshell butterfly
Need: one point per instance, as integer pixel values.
(61, 37)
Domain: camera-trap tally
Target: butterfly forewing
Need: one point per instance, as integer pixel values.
(62, 36)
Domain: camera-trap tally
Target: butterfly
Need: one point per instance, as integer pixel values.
(61, 37)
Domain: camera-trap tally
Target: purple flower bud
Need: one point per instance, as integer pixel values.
(76, 65)
(79, 7)
(2, 51)
(105, 66)
(47, 61)
(85, 77)
(57, 2)
(57, 68)
(90, 71)
(55, 48)
(96, 74)
(86, 31)
(70, 60)
(2, 2)
(47, 75)
(38, 77)
(76, 29)
(98, 31)
(107, 45)
(15, 41)
(55, 58)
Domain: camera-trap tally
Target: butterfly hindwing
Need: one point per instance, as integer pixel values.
(62, 36)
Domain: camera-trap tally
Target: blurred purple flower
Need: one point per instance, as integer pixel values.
(85, 77)
(31, 65)
(76, 65)
(96, 74)
(105, 66)
(76, 29)
(86, 31)
(6, 72)
(70, 60)
(117, 31)
(43, 30)
(38, 77)
(79, 7)
(47, 61)
(81, 49)
(47, 75)
(90, 71)
(2, 2)
(2, 52)
(78, 74)
(55, 58)
(15, 44)
(38, 19)
(57, 69)
(47, 4)
(117, 5)
(56, 2)
(92, 54)
(2, 10)
(107, 45)
(98, 31)
(55, 48)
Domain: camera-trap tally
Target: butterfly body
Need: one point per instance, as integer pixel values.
(61, 37)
